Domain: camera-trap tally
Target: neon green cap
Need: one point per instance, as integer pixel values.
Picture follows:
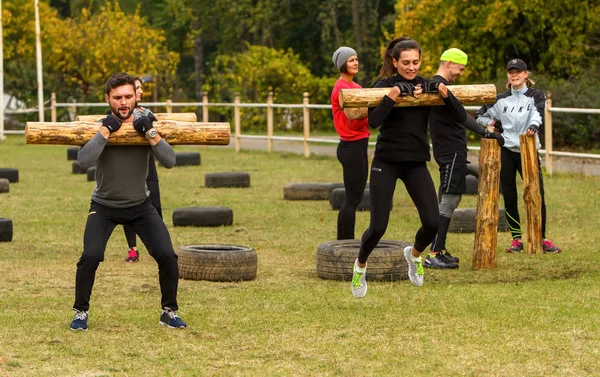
(454, 55)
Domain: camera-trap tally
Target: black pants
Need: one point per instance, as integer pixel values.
(511, 164)
(355, 165)
(155, 200)
(421, 189)
(153, 232)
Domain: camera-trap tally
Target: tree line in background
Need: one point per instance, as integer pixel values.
(252, 47)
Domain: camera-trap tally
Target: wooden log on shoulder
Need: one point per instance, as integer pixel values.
(531, 193)
(371, 97)
(174, 132)
(182, 117)
(486, 222)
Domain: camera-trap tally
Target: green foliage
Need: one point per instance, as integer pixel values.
(260, 70)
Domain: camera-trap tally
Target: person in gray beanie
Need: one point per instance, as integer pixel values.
(354, 141)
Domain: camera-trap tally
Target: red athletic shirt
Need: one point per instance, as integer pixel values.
(348, 129)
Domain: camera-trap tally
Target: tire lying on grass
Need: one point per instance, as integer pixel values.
(77, 169)
(4, 185)
(227, 179)
(464, 220)
(202, 216)
(6, 230)
(217, 262)
(91, 174)
(472, 185)
(338, 196)
(72, 153)
(335, 260)
(11, 174)
(306, 191)
(187, 158)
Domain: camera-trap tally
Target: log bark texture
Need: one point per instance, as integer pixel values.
(181, 117)
(531, 193)
(486, 223)
(175, 133)
(466, 94)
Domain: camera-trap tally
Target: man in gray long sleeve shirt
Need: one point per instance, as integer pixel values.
(121, 197)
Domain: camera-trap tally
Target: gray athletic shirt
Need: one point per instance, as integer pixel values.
(121, 170)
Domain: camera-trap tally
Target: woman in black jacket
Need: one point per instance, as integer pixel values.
(402, 152)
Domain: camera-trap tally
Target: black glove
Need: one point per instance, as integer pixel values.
(112, 123)
(431, 87)
(534, 128)
(498, 126)
(142, 124)
(406, 89)
(493, 135)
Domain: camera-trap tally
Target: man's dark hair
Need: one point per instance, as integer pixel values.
(119, 79)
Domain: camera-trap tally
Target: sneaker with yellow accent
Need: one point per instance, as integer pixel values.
(359, 281)
(415, 267)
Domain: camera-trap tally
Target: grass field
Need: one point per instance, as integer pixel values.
(531, 316)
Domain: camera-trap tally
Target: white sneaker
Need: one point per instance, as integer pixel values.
(415, 267)
(359, 281)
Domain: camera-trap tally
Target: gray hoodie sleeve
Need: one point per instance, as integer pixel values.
(164, 153)
(89, 153)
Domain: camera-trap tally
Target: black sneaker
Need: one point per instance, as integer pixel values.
(170, 319)
(438, 261)
(449, 257)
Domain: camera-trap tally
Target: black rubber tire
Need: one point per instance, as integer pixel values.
(6, 230)
(472, 185)
(227, 179)
(77, 169)
(202, 216)
(335, 260)
(306, 191)
(187, 158)
(463, 221)
(217, 262)
(338, 196)
(4, 185)
(11, 174)
(91, 174)
(473, 169)
(72, 153)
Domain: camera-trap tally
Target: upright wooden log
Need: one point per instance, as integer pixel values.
(531, 193)
(181, 117)
(486, 223)
(175, 133)
(466, 94)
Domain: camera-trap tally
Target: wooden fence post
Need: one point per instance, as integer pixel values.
(169, 106)
(270, 122)
(205, 107)
(531, 193)
(486, 223)
(53, 107)
(548, 132)
(306, 116)
(236, 121)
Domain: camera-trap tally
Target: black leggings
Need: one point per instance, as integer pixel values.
(511, 164)
(153, 232)
(155, 200)
(355, 165)
(421, 189)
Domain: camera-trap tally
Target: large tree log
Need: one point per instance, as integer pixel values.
(175, 133)
(466, 94)
(486, 223)
(531, 193)
(181, 117)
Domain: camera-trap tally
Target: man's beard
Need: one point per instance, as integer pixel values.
(118, 114)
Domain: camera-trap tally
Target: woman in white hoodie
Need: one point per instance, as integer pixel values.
(518, 110)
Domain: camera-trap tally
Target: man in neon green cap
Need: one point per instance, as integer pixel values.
(449, 141)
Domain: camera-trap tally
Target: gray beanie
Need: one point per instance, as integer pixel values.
(341, 56)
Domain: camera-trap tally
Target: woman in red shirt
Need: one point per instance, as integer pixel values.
(354, 141)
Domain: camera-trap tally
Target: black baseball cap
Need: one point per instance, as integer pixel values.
(516, 63)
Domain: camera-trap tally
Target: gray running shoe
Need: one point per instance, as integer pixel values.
(415, 267)
(359, 282)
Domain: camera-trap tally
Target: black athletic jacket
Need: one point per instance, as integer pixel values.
(449, 136)
(403, 134)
